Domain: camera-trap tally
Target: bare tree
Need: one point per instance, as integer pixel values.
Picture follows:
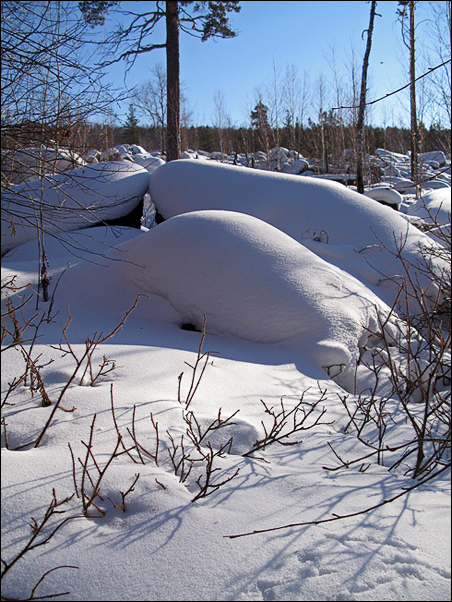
(320, 108)
(439, 27)
(221, 120)
(151, 99)
(48, 88)
(362, 103)
(406, 11)
(275, 106)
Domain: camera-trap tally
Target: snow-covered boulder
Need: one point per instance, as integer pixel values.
(71, 201)
(391, 157)
(137, 150)
(433, 207)
(385, 195)
(92, 156)
(149, 162)
(278, 153)
(28, 164)
(434, 157)
(251, 281)
(297, 166)
(358, 232)
(110, 154)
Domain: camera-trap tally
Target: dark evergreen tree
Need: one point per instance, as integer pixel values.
(203, 19)
(260, 124)
(131, 128)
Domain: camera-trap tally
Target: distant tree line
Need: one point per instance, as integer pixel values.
(306, 140)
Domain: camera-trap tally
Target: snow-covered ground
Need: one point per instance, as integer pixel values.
(290, 275)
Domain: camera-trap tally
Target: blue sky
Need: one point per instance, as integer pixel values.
(281, 34)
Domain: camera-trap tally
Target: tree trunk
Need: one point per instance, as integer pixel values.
(414, 129)
(362, 105)
(173, 82)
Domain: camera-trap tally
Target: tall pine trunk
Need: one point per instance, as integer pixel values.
(414, 128)
(362, 106)
(173, 82)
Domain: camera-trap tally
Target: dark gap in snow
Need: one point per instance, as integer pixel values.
(190, 327)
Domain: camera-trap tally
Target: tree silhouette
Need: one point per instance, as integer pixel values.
(259, 123)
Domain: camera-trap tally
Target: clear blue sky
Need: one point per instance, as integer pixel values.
(302, 34)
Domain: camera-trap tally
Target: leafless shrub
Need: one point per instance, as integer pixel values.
(417, 362)
(93, 474)
(198, 369)
(40, 537)
(139, 448)
(181, 458)
(85, 362)
(204, 481)
(284, 423)
(197, 434)
(122, 505)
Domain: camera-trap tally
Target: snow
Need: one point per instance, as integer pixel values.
(275, 267)
(26, 165)
(354, 232)
(71, 200)
(385, 194)
(433, 207)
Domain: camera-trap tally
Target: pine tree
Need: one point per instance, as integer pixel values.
(205, 20)
(259, 123)
(131, 128)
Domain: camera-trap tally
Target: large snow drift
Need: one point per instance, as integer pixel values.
(342, 226)
(71, 201)
(252, 281)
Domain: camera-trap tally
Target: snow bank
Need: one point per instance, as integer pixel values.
(340, 225)
(28, 164)
(434, 207)
(71, 201)
(252, 281)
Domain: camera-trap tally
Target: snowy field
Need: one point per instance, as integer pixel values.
(224, 406)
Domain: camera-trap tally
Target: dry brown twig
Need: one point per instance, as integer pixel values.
(280, 429)
(39, 538)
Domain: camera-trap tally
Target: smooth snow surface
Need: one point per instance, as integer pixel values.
(433, 207)
(348, 229)
(253, 282)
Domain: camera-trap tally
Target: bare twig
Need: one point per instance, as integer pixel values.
(336, 517)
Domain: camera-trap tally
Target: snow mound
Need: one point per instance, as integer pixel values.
(28, 164)
(434, 207)
(253, 282)
(71, 201)
(352, 229)
(385, 195)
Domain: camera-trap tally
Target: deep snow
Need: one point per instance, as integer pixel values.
(279, 314)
